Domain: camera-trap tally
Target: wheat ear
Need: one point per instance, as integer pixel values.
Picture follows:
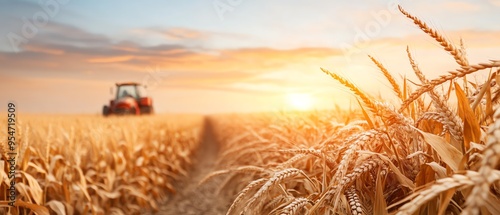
(244, 192)
(366, 100)
(449, 119)
(459, 181)
(458, 54)
(458, 73)
(389, 77)
(479, 193)
(354, 203)
(295, 206)
(276, 179)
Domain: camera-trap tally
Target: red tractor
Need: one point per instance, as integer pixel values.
(130, 100)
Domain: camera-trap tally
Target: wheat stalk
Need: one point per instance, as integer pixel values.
(392, 81)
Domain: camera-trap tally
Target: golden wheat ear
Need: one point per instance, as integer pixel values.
(448, 118)
(415, 200)
(395, 86)
(481, 190)
(272, 182)
(355, 205)
(295, 206)
(458, 73)
(458, 54)
(366, 100)
(243, 193)
(415, 67)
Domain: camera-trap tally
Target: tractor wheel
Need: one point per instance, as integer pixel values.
(131, 111)
(105, 110)
(147, 110)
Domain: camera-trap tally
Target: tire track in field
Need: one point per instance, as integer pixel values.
(192, 199)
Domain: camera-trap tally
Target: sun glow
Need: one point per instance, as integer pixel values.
(300, 101)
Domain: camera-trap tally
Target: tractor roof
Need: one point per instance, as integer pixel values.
(127, 83)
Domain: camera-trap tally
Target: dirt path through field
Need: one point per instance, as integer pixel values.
(194, 199)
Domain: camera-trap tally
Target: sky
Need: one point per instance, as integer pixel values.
(217, 56)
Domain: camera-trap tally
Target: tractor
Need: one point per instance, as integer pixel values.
(130, 99)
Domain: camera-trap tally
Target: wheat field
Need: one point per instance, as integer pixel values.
(96, 165)
(432, 154)
(436, 151)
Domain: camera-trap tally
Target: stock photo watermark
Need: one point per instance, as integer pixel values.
(12, 153)
(30, 27)
(223, 6)
(154, 78)
(363, 36)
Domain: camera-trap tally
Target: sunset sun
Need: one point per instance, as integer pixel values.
(300, 101)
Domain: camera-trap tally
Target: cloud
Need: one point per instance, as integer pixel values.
(53, 94)
(61, 46)
(183, 33)
(81, 51)
(85, 57)
(59, 33)
(173, 34)
(110, 59)
(56, 35)
(74, 53)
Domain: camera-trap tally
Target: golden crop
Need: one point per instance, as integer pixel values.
(425, 156)
(434, 155)
(96, 165)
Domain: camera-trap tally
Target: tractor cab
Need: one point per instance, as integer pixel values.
(124, 90)
(130, 98)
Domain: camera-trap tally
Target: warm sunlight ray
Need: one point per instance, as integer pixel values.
(300, 101)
